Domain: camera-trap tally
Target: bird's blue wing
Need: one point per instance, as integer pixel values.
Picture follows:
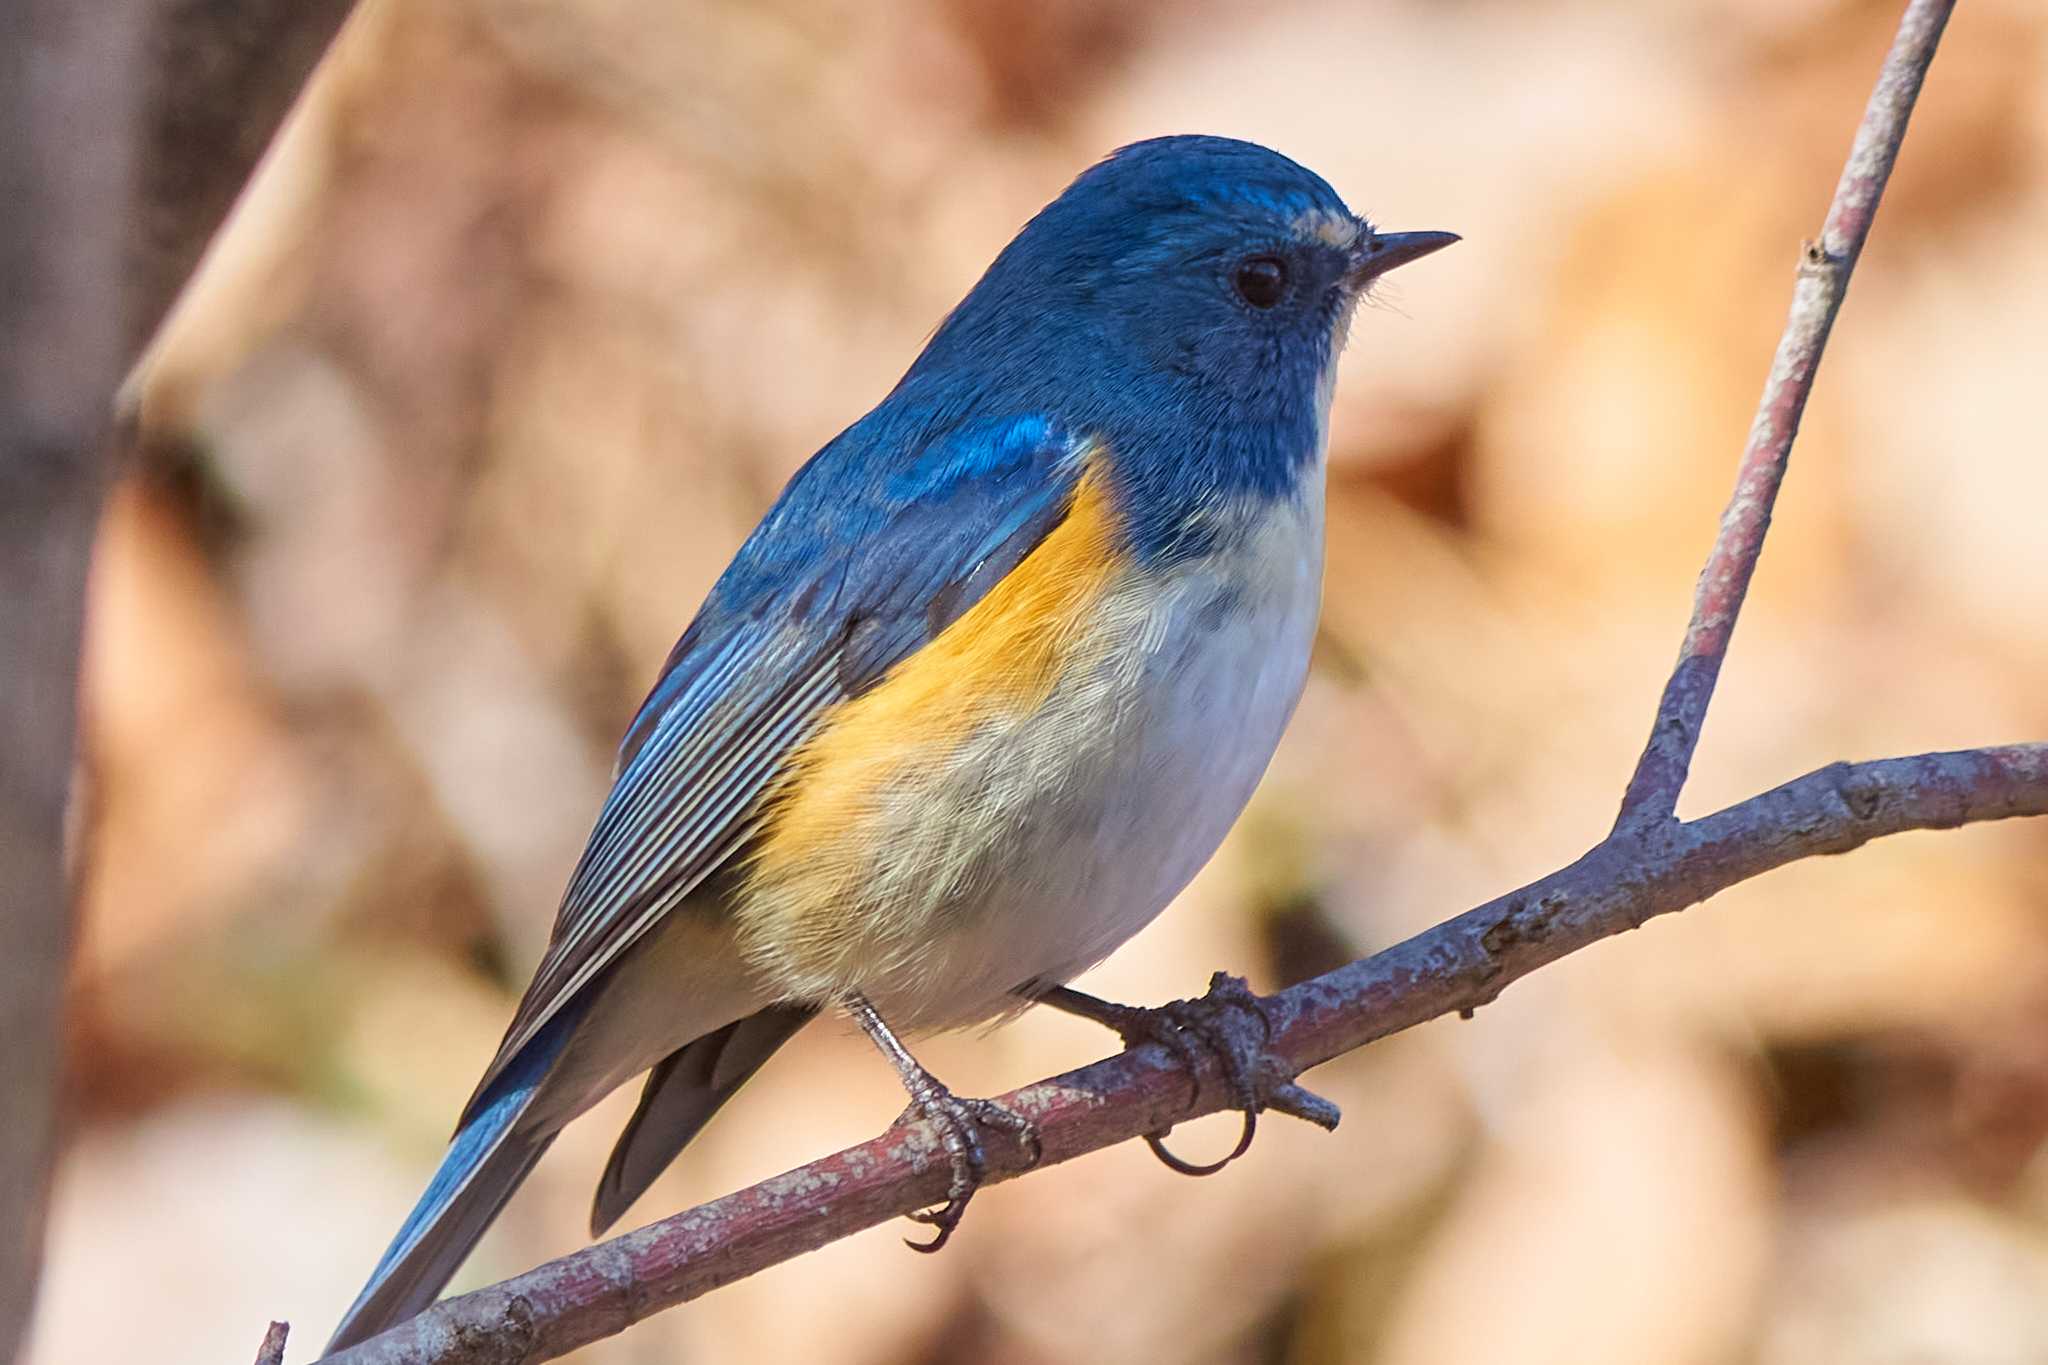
(868, 554)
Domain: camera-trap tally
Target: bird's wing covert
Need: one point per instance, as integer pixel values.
(854, 569)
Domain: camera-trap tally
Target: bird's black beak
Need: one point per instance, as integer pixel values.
(1379, 252)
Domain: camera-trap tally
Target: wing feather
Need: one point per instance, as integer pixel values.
(849, 574)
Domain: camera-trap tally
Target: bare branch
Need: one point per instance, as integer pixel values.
(221, 77)
(86, 163)
(271, 1352)
(1824, 270)
(67, 73)
(1460, 965)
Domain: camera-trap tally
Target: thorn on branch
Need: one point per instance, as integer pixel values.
(1305, 1105)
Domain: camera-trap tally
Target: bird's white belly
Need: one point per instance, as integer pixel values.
(1066, 832)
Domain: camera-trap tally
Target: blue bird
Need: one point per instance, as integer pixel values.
(980, 694)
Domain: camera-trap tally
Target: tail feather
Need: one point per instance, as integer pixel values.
(681, 1095)
(486, 1161)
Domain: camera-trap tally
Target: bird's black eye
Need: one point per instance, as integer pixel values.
(1261, 280)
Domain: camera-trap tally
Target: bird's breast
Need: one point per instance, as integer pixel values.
(1032, 787)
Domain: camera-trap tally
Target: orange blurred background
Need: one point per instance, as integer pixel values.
(534, 305)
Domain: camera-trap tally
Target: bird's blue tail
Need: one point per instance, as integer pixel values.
(488, 1158)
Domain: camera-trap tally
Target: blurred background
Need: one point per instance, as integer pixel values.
(532, 307)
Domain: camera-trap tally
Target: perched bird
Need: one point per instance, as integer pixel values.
(978, 697)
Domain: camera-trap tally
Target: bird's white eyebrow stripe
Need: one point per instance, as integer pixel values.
(1339, 230)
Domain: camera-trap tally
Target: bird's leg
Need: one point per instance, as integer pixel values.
(960, 1124)
(1206, 1021)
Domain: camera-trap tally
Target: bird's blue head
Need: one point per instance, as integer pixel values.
(1186, 299)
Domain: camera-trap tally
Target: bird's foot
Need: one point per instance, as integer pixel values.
(961, 1125)
(1214, 1022)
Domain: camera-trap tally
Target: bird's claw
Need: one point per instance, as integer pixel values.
(960, 1125)
(1183, 1024)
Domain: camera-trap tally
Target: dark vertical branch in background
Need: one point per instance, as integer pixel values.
(127, 127)
(67, 105)
(221, 74)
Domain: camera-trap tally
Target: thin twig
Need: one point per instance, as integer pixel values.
(271, 1352)
(1460, 965)
(1824, 269)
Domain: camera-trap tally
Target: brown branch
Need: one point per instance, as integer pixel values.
(67, 76)
(97, 148)
(1650, 864)
(1824, 270)
(222, 74)
(1460, 965)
